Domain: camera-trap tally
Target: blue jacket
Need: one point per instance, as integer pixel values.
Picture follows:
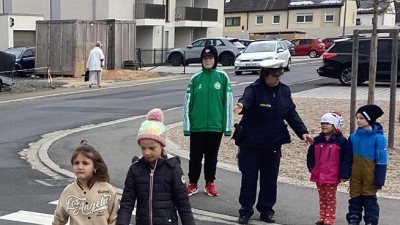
(265, 111)
(367, 158)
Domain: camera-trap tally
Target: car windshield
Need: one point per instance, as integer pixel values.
(16, 52)
(261, 47)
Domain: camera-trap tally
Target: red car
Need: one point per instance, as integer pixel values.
(329, 41)
(312, 47)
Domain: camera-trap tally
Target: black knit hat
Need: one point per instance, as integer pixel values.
(210, 51)
(370, 112)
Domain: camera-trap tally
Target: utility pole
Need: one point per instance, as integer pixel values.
(344, 18)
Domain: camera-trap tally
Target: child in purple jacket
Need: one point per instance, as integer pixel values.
(324, 158)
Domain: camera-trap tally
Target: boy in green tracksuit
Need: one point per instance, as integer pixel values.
(207, 114)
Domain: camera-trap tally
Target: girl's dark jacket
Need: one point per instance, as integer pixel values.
(158, 194)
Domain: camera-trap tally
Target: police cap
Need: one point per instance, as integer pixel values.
(273, 66)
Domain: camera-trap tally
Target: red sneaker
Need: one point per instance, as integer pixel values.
(210, 189)
(192, 189)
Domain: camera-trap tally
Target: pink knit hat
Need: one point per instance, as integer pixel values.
(153, 128)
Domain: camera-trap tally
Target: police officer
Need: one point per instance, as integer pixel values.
(266, 105)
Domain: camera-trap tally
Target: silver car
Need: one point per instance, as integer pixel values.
(228, 49)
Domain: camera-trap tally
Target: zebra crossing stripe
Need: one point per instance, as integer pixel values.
(35, 217)
(29, 217)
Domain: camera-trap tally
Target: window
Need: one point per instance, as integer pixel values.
(358, 21)
(259, 20)
(232, 21)
(28, 53)
(306, 41)
(329, 17)
(200, 43)
(276, 19)
(304, 18)
(283, 45)
(218, 42)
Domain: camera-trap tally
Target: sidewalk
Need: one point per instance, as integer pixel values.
(193, 68)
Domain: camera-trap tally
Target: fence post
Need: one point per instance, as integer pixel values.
(154, 57)
(184, 62)
(162, 56)
(139, 55)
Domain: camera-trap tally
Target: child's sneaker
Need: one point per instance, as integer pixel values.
(319, 223)
(210, 189)
(192, 189)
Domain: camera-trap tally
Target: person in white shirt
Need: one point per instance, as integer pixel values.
(95, 63)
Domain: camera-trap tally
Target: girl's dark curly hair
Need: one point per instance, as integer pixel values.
(101, 170)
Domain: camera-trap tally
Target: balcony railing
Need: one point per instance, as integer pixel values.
(196, 14)
(149, 11)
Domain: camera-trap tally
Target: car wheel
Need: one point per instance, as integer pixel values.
(176, 59)
(227, 59)
(345, 76)
(313, 54)
(289, 65)
(17, 73)
(238, 72)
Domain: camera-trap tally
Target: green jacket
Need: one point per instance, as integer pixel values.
(208, 103)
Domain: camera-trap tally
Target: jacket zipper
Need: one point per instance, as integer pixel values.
(151, 195)
(274, 100)
(329, 154)
(208, 99)
(320, 151)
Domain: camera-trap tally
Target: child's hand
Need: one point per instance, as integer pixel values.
(238, 108)
(344, 180)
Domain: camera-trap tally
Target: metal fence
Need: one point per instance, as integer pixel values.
(151, 57)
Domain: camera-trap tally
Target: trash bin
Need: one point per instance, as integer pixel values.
(131, 65)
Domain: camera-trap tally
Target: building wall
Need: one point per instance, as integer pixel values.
(318, 18)
(41, 7)
(76, 9)
(21, 23)
(219, 29)
(1, 6)
(268, 21)
(5, 28)
(351, 17)
(121, 9)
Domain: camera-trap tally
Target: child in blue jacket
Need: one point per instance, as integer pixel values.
(365, 163)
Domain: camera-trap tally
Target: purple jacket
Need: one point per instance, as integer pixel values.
(324, 158)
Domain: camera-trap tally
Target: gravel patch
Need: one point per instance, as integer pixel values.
(293, 164)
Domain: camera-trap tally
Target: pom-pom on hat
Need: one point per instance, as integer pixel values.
(332, 118)
(153, 128)
(370, 112)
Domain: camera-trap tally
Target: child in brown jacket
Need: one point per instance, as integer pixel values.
(90, 199)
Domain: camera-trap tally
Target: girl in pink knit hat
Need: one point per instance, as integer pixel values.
(155, 181)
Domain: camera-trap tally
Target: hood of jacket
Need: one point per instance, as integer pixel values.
(210, 50)
(376, 129)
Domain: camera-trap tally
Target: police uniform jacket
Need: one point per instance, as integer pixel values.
(159, 193)
(265, 111)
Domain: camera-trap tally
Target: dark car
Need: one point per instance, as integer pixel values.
(245, 42)
(24, 59)
(337, 60)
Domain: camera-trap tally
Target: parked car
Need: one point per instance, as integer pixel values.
(24, 59)
(7, 62)
(329, 41)
(249, 60)
(288, 44)
(312, 47)
(337, 60)
(245, 42)
(228, 49)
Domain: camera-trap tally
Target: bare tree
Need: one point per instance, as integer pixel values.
(379, 7)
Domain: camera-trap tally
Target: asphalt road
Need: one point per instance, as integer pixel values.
(24, 122)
